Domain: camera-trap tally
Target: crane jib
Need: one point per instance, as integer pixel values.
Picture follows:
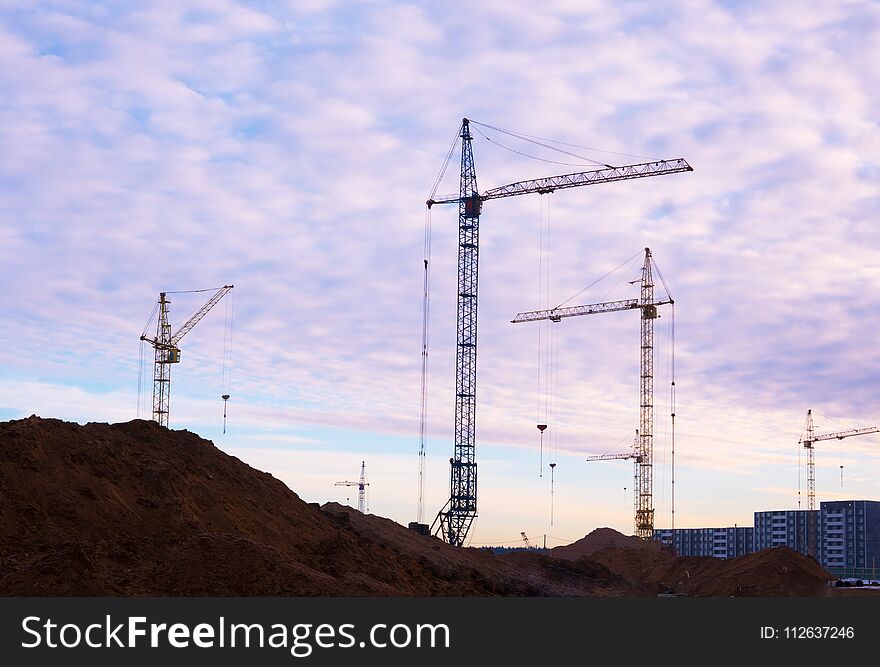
(577, 179)
(627, 172)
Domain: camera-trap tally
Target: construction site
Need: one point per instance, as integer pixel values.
(145, 508)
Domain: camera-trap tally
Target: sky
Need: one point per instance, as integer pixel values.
(288, 148)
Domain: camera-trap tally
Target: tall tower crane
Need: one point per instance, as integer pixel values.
(167, 352)
(808, 439)
(644, 449)
(361, 485)
(454, 520)
(525, 538)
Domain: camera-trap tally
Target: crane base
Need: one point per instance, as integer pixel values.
(420, 528)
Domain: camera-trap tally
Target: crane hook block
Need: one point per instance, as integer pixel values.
(542, 427)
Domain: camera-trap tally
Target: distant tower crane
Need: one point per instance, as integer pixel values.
(644, 451)
(525, 539)
(808, 439)
(361, 485)
(455, 518)
(167, 352)
(621, 456)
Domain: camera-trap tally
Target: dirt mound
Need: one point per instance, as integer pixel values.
(137, 509)
(473, 569)
(601, 538)
(777, 572)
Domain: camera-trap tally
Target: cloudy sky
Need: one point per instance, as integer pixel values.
(289, 147)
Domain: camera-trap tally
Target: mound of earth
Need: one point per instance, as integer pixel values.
(601, 538)
(136, 509)
(776, 572)
(139, 510)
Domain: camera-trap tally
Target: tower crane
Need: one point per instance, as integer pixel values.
(525, 538)
(808, 440)
(644, 448)
(454, 520)
(166, 350)
(361, 485)
(622, 456)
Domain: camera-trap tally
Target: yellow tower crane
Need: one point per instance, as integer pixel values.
(643, 454)
(808, 439)
(166, 350)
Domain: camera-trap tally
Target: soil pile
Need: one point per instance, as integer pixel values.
(777, 572)
(137, 509)
(601, 538)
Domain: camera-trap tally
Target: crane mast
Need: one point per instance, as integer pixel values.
(454, 520)
(645, 462)
(167, 352)
(643, 447)
(164, 355)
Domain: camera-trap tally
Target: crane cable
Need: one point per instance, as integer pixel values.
(628, 260)
(426, 316)
(527, 137)
(672, 399)
(425, 328)
(800, 470)
(226, 369)
(140, 376)
(534, 157)
(445, 164)
(196, 291)
(842, 441)
(177, 325)
(544, 335)
(842, 444)
(554, 434)
(141, 360)
(672, 381)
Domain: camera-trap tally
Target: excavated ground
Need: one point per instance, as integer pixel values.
(136, 509)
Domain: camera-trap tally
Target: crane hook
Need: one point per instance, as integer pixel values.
(225, 398)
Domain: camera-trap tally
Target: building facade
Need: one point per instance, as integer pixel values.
(787, 528)
(846, 535)
(849, 544)
(716, 542)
